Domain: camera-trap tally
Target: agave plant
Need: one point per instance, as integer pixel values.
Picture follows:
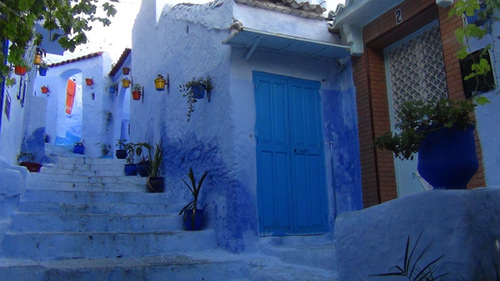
(194, 189)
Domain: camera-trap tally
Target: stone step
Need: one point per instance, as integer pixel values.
(115, 172)
(139, 186)
(87, 179)
(54, 168)
(72, 245)
(40, 223)
(318, 256)
(40, 195)
(89, 161)
(99, 208)
(214, 266)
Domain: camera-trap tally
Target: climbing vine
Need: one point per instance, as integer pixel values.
(66, 20)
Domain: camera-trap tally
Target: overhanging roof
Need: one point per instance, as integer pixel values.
(253, 39)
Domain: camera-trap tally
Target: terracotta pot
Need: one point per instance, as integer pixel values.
(136, 95)
(126, 70)
(20, 70)
(33, 167)
(89, 81)
(45, 89)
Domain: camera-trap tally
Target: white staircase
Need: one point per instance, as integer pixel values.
(83, 219)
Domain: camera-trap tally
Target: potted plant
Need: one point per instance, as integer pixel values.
(160, 83)
(192, 216)
(45, 89)
(42, 68)
(112, 89)
(125, 83)
(194, 90)
(442, 134)
(130, 167)
(28, 160)
(155, 182)
(79, 147)
(89, 81)
(121, 152)
(136, 91)
(125, 70)
(144, 163)
(20, 69)
(38, 58)
(105, 149)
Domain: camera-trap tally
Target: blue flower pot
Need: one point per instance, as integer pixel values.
(42, 71)
(143, 169)
(447, 158)
(79, 149)
(156, 184)
(130, 170)
(198, 92)
(193, 223)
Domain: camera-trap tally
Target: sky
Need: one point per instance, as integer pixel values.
(118, 36)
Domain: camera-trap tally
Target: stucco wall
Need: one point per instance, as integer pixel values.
(186, 43)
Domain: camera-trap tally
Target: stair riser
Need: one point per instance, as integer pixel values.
(90, 161)
(33, 223)
(96, 173)
(89, 179)
(79, 186)
(236, 270)
(89, 197)
(104, 209)
(104, 245)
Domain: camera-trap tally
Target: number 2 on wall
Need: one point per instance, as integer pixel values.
(399, 16)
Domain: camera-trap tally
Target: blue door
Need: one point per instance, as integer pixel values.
(290, 162)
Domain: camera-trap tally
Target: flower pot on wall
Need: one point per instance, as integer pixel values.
(38, 59)
(111, 89)
(42, 71)
(198, 92)
(125, 70)
(125, 83)
(89, 81)
(20, 70)
(160, 83)
(447, 158)
(136, 95)
(45, 89)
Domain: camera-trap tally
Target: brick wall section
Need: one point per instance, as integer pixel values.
(377, 170)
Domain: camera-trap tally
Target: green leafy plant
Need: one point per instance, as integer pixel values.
(194, 188)
(139, 149)
(415, 268)
(120, 143)
(188, 90)
(137, 87)
(419, 118)
(156, 160)
(130, 148)
(105, 148)
(67, 22)
(485, 10)
(80, 143)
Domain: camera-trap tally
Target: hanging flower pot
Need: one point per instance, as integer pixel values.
(45, 89)
(160, 83)
(111, 89)
(20, 70)
(198, 91)
(38, 59)
(89, 81)
(125, 83)
(42, 71)
(126, 70)
(136, 91)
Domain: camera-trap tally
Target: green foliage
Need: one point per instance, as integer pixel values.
(105, 148)
(137, 87)
(66, 20)
(26, 156)
(156, 160)
(120, 143)
(194, 189)
(189, 93)
(414, 268)
(420, 118)
(480, 67)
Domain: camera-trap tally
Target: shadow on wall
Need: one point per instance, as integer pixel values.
(229, 207)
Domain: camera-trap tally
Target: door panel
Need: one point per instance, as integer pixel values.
(290, 162)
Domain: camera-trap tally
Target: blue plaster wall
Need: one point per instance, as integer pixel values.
(341, 134)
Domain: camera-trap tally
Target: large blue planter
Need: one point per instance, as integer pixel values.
(191, 223)
(447, 158)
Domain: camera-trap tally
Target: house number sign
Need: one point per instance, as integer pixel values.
(399, 16)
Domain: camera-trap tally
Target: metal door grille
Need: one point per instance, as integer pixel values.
(417, 71)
